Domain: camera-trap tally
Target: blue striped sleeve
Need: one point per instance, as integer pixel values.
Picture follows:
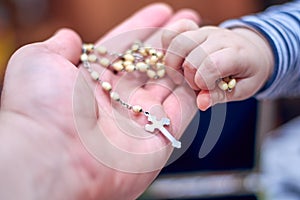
(280, 25)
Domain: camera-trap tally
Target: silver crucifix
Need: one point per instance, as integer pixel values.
(159, 124)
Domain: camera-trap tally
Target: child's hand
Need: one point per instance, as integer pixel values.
(204, 55)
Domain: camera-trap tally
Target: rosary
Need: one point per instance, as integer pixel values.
(141, 58)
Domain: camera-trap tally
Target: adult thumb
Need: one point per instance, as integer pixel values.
(66, 43)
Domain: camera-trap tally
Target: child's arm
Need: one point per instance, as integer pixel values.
(260, 51)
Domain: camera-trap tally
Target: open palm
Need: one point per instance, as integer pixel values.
(50, 97)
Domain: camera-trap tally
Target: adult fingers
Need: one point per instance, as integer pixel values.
(153, 15)
(66, 43)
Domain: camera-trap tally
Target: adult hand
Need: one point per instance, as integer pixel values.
(47, 120)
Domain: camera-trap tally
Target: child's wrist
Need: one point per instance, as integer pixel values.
(263, 47)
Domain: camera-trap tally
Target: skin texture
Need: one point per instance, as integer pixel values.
(204, 55)
(42, 156)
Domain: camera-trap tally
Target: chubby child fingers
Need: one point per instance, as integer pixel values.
(220, 64)
(176, 28)
(242, 91)
(179, 48)
(173, 60)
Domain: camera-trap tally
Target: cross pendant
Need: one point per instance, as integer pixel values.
(159, 124)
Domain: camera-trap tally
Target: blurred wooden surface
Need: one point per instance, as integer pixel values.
(95, 17)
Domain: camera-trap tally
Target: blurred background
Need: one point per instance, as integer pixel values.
(229, 171)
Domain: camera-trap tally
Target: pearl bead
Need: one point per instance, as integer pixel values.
(151, 74)
(101, 50)
(232, 83)
(104, 62)
(92, 58)
(142, 67)
(153, 60)
(115, 96)
(137, 108)
(143, 51)
(152, 51)
(128, 57)
(88, 47)
(118, 66)
(135, 47)
(95, 75)
(130, 68)
(84, 57)
(160, 54)
(106, 86)
(127, 62)
(223, 85)
(161, 73)
(160, 66)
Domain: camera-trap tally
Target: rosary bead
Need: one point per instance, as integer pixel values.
(135, 47)
(231, 83)
(151, 74)
(127, 62)
(118, 66)
(101, 50)
(152, 51)
(130, 68)
(142, 67)
(160, 66)
(153, 60)
(223, 85)
(143, 51)
(106, 86)
(115, 96)
(160, 54)
(104, 62)
(84, 57)
(92, 58)
(88, 47)
(128, 57)
(161, 73)
(95, 75)
(137, 109)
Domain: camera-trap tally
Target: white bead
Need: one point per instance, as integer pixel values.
(151, 74)
(95, 75)
(232, 83)
(142, 67)
(160, 66)
(130, 68)
(161, 73)
(160, 54)
(101, 50)
(106, 86)
(153, 60)
(152, 51)
(137, 108)
(118, 66)
(92, 58)
(128, 57)
(115, 96)
(143, 51)
(88, 47)
(135, 47)
(127, 62)
(223, 85)
(84, 57)
(104, 62)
